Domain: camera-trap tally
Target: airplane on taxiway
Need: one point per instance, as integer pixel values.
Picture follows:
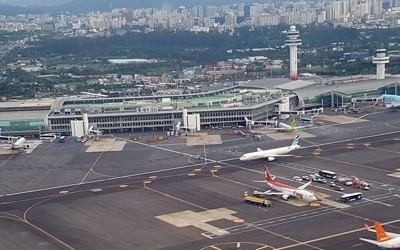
(285, 191)
(383, 239)
(271, 154)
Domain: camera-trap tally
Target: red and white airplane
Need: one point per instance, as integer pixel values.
(286, 191)
(383, 239)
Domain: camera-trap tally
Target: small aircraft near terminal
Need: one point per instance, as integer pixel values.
(278, 125)
(283, 127)
(15, 143)
(392, 102)
(286, 191)
(383, 239)
(271, 154)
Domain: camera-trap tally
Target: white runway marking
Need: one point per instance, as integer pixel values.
(330, 236)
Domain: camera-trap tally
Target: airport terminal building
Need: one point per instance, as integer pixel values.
(220, 108)
(226, 107)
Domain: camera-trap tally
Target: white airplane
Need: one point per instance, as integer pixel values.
(19, 144)
(279, 126)
(16, 143)
(271, 154)
(392, 102)
(96, 133)
(283, 127)
(179, 127)
(93, 131)
(286, 191)
(383, 239)
(250, 123)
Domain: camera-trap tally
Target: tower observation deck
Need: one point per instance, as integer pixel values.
(380, 60)
(292, 42)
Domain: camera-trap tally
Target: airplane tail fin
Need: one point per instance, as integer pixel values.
(295, 142)
(381, 234)
(268, 176)
(248, 123)
(293, 124)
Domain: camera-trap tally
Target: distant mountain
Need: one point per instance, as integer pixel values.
(11, 10)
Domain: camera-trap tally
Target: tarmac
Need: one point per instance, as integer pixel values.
(119, 193)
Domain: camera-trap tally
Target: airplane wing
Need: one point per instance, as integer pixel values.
(369, 241)
(301, 127)
(269, 192)
(275, 155)
(279, 129)
(304, 186)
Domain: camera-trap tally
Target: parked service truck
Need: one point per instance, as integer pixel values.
(253, 199)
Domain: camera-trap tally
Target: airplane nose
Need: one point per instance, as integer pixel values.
(317, 199)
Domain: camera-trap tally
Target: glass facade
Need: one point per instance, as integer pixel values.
(22, 126)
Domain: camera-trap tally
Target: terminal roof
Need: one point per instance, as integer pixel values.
(293, 85)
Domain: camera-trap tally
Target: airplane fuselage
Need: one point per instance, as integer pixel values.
(393, 243)
(391, 101)
(389, 244)
(290, 191)
(19, 143)
(265, 154)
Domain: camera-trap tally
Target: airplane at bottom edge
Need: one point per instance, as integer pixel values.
(383, 239)
(286, 191)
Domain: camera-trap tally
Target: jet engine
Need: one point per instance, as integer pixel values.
(285, 197)
(271, 158)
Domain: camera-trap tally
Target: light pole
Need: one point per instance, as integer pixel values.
(337, 96)
(205, 155)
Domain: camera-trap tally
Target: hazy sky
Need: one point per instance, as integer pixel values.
(33, 2)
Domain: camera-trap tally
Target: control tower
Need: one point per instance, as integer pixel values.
(380, 60)
(292, 42)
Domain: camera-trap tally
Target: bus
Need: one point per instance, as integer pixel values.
(350, 197)
(48, 137)
(327, 174)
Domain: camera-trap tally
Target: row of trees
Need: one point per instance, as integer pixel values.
(178, 49)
